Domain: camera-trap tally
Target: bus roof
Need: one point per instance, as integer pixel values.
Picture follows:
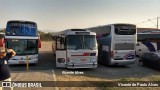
(19, 21)
(74, 32)
(111, 24)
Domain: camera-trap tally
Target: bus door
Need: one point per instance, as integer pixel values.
(60, 52)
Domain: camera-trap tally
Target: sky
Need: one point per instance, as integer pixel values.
(57, 15)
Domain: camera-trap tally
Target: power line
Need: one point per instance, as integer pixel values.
(151, 20)
(153, 26)
(145, 21)
(157, 22)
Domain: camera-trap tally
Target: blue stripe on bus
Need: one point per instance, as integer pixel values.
(158, 46)
(149, 46)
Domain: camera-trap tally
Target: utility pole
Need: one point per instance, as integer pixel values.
(157, 22)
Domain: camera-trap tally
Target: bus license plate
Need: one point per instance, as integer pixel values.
(21, 62)
(83, 59)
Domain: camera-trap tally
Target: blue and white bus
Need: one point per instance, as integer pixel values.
(22, 37)
(148, 41)
(116, 43)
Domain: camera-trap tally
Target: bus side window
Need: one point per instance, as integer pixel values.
(54, 38)
(106, 34)
(65, 42)
(60, 43)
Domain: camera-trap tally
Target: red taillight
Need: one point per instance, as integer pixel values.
(1, 42)
(112, 54)
(39, 43)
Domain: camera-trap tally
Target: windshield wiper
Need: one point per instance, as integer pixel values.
(79, 47)
(88, 46)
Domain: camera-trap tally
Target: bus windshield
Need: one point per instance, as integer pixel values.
(21, 29)
(23, 47)
(75, 42)
(125, 29)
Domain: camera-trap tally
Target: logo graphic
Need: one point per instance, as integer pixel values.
(6, 84)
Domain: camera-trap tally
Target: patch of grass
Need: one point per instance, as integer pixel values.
(148, 78)
(129, 88)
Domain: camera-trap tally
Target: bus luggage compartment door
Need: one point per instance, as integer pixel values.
(61, 58)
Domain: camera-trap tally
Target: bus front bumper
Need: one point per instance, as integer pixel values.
(33, 61)
(76, 65)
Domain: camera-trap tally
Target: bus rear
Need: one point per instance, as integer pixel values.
(123, 44)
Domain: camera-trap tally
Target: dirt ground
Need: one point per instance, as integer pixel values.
(132, 72)
(47, 63)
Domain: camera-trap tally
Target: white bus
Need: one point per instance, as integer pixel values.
(22, 37)
(75, 48)
(148, 41)
(116, 43)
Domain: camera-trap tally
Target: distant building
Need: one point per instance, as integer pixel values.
(146, 29)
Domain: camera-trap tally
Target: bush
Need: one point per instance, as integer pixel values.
(45, 36)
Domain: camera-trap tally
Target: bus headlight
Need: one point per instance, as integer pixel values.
(93, 59)
(72, 60)
(34, 57)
